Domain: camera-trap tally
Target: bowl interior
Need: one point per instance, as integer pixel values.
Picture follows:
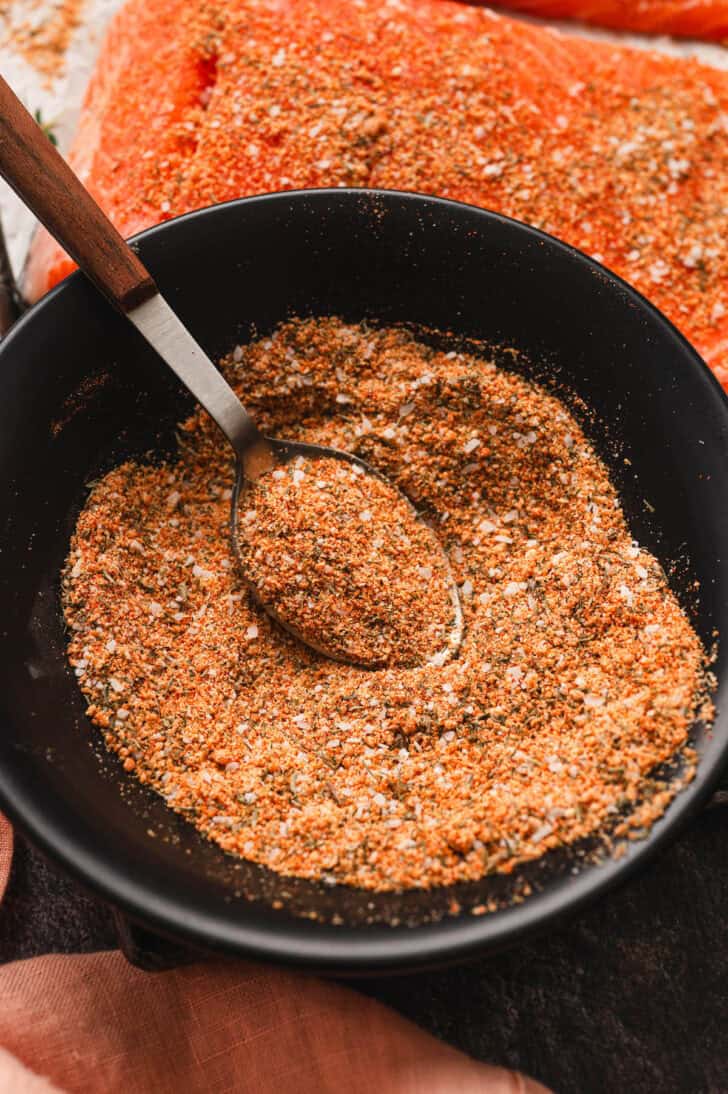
(82, 391)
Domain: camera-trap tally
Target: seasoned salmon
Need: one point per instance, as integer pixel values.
(622, 153)
(684, 18)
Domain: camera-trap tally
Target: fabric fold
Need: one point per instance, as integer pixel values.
(93, 1022)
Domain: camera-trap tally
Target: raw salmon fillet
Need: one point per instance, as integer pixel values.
(685, 18)
(623, 153)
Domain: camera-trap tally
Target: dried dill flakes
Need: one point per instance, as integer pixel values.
(578, 674)
(342, 558)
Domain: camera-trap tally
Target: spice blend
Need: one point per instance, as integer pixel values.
(578, 672)
(341, 557)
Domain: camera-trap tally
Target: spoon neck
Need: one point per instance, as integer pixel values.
(164, 330)
(256, 454)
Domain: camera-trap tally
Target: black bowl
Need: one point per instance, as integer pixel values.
(81, 391)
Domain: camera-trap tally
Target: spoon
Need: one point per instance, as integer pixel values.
(47, 185)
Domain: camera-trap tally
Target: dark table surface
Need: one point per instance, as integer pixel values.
(631, 996)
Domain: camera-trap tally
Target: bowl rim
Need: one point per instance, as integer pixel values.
(371, 949)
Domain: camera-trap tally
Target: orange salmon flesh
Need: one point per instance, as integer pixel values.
(684, 18)
(621, 152)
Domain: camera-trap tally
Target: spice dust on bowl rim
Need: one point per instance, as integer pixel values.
(83, 393)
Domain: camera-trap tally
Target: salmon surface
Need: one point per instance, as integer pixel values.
(685, 18)
(623, 153)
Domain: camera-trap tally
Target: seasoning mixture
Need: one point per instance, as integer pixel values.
(342, 558)
(578, 673)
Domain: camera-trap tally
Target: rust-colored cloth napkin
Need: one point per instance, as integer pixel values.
(92, 1023)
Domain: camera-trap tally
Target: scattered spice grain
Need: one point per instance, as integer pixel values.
(578, 673)
(40, 33)
(342, 559)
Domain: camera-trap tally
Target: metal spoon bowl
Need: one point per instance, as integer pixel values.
(278, 454)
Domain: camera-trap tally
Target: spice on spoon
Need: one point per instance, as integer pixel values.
(578, 674)
(340, 557)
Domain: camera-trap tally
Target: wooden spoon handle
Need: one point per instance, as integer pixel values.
(44, 181)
